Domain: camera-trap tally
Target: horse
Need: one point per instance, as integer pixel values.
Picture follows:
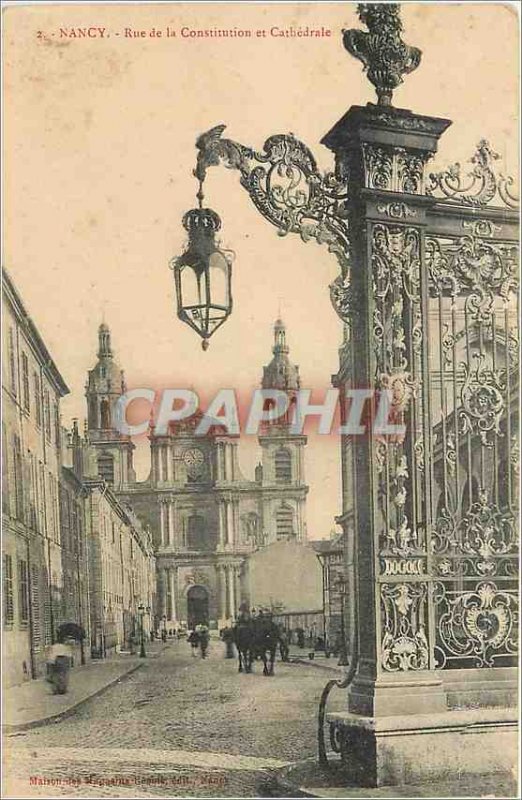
(243, 637)
(266, 637)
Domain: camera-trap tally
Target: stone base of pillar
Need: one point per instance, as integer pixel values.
(423, 693)
(424, 748)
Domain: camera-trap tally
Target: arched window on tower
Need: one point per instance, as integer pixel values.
(470, 494)
(105, 414)
(283, 465)
(196, 533)
(106, 467)
(285, 522)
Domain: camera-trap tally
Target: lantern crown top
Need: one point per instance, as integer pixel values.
(385, 57)
(201, 219)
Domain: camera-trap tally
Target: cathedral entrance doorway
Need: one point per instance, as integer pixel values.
(197, 606)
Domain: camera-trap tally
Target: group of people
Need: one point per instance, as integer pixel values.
(199, 638)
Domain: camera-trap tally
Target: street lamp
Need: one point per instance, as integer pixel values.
(141, 611)
(203, 274)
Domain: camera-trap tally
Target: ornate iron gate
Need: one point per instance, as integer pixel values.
(471, 258)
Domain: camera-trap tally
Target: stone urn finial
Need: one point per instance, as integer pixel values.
(385, 57)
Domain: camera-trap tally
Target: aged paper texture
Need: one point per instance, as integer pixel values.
(260, 399)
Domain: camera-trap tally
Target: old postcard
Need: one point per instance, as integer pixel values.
(260, 389)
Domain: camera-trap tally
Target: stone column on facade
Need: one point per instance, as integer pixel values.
(162, 523)
(163, 592)
(221, 525)
(230, 523)
(172, 529)
(237, 585)
(222, 589)
(231, 592)
(173, 586)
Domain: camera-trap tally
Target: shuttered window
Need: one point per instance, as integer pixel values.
(284, 522)
(25, 383)
(8, 590)
(23, 591)
(283, 465)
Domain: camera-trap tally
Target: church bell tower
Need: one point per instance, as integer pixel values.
(282, 475)
(110, 452)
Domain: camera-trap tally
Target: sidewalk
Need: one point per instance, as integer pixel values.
(32, 703)
(307, 779)
(301, 656)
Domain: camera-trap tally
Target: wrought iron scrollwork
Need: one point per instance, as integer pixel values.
(479, 624)
(482, 401)
(285, 185)
(404, 642)
(481, 542)
(480, 186)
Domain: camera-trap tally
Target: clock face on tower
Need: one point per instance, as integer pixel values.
(194, 461)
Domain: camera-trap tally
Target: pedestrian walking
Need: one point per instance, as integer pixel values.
(58, 658)
(203, 636)
(193, 640)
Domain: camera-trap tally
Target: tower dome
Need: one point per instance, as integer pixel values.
(281, 373)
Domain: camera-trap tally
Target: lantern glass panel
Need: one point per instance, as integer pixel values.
(192, 288)
(219, 276)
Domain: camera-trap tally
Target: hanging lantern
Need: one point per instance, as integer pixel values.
(203, 275)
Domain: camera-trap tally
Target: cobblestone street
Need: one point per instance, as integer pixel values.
(177, 726)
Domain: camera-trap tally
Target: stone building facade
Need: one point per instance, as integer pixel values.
(205, 516)
(32, 388)
(72, 552)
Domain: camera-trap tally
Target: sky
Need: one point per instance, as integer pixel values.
(99, 140)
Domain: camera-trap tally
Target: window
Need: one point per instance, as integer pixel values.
(5, 472)
(25, 383)
(42, 500)
(470, 494)
(18, 479)
(37, 399)
(113, 532)
(36, 628)
(12, 362)
(196, 534)
(47, 414)
(284, 522)
(8, 590)
(283, 465)
(106, 467)
(23, 588)
(57, 425)
(105, 414)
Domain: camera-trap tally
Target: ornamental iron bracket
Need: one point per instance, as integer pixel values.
(286, 187)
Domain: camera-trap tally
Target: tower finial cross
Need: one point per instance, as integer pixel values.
(385, 57)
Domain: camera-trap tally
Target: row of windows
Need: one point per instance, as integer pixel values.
(29, 493)
(42, 404)
(195, 534)
(9, 591)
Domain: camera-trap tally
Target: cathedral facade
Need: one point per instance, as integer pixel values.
(206, 518)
